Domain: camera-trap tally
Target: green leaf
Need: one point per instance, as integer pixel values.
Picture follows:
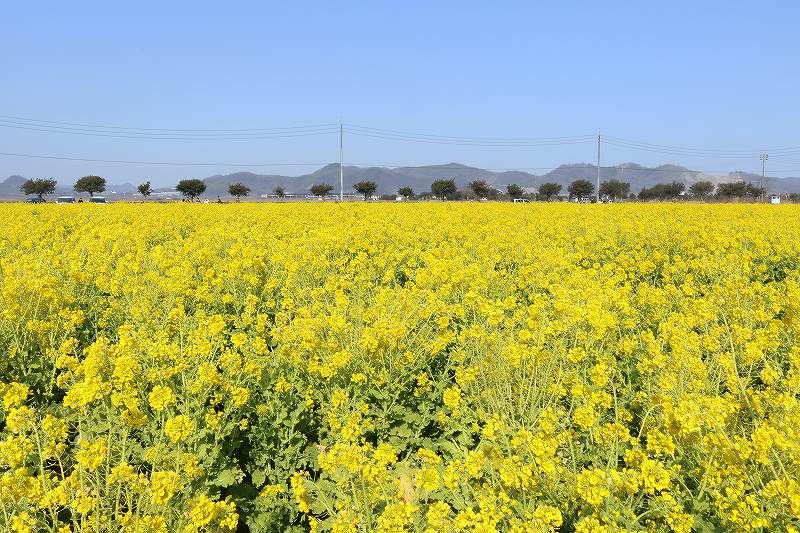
(258, 477)
(228, 477)
(402, 431)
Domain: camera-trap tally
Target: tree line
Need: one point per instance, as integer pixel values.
(579, 189)
(41, 187)
(612, 189)
(190, 188)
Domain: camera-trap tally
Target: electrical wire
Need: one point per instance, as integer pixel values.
(169, 163)
(704, 152)
(176, 137)
(450, 137)
(522, 144)
(56, 126)
(609, 142)
(172, 130)
(392, 166)
(435, 167)
(254, 134)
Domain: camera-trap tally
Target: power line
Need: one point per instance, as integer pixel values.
(586, 166)
(450, 137)
(457, 166)
(125, 132)
(207, 134)
(176, 137)
(384, 165)
(785, 160)
(522, 144)
(127, 128)
(677, 152)
(704, 152)
(168, 163)
(54, 126)
(711, 150)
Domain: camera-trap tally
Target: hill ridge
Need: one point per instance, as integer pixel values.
(389, 179)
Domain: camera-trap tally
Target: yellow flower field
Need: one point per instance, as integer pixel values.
(413, 367)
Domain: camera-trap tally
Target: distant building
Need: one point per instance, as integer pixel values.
(166, 194)
(286, 195)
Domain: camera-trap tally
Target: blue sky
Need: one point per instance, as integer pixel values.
(710, 75)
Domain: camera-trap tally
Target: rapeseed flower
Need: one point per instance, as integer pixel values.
(421, 367)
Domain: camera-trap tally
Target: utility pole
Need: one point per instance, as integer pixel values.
(763, 158)
(598, 167)
(341, 162)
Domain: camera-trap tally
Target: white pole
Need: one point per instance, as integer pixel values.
(598, 167)
(341, 163)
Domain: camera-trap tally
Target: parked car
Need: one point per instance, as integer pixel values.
(65, 200)
(99, 200)
(35, 200)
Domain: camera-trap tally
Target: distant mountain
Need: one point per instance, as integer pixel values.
(638, 176)
(783, 185)
(388, 179)
(11, 185)
(121, 188)
(420, 178)
(774, 185)
(258, 183)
